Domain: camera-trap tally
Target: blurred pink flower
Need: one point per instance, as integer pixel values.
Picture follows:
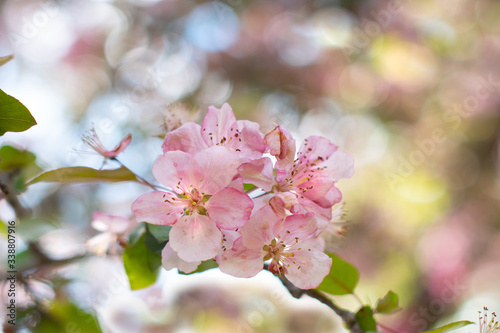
(202, 204)
(114, 231)
(289, 244)
(92, 139)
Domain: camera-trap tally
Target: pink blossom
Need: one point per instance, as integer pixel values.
(289, 243)
(301, 185)
(114, 230)
(219, 128)
(170, 260)
(92, 139)
(201, 204)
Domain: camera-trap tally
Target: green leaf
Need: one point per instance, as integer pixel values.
(84, 174)
(6, 59)
(14, 116)
(388, 304)
(152, 243)
(141, 265)
(204, 266)
(450, 327)
(365, 319)
(248, 187)
(63, 316)
(160, 232)
(342, 279)
(19, 165)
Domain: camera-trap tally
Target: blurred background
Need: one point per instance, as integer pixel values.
(409, 88)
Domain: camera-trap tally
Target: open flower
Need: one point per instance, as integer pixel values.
(219, 128)
(289, 244)
(310, 178)
(202, 203)
(114, 231)
(92, 139)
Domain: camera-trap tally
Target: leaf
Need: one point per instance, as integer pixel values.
(248, 187)
(365, 319)
(160, 232)
(141, 265)
(388, 304)
(14, 116)
(84, 174)
(450, 327)
(19, 164)
(63, 316)
(204, 266)
(6, 59)
(342, 279)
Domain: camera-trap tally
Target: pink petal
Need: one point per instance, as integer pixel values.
(195, 237)
(186, 138)
(316, 148)
(153, 208)
(170, 169)
(332, 197)
(323, 215)
(113, 224)
(213, 169)
(218, 124)
(240, 261)
(262, 227)
(229, 208)
(314, 266)
(258, 172)
(170, 259)
(121, 147)
(252, 144)
(339, 165)
(299, 227)
(282, 146)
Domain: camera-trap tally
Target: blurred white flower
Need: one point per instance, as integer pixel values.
(115, 230)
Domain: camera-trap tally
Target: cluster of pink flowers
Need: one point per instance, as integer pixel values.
(205, 168)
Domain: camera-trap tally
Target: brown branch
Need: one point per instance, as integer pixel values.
(348, 317)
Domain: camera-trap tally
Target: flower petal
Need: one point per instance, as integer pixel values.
(339, 165)
(332, 197)
(213, 169)
(170, 169)
(251, 142)
(186, 138)
(170, 259)
(218, 124)
(113, 224)
(195, 237)
(121, 146)
(258, 172)
(298, 227)
(158, 208)
(240, 261)
(229, 208)
(308, 268)
(262, 227)
(282, 146)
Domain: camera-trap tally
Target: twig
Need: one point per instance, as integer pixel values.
(348, 317)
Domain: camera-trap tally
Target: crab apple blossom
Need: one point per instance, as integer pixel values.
(219, 128)
(92, 139)
(289, 243)
(201, 204)
(301, 185)
(114, 230)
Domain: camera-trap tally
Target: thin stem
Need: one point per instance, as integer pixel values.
(139, 178)
(348, 317)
